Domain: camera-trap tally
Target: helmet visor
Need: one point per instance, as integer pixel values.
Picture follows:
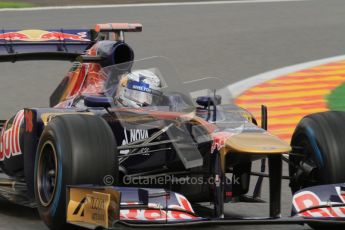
(140, 97)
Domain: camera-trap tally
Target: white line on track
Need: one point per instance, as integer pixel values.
(147, 4)
(241, 86)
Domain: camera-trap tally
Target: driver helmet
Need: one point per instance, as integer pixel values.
(138, 89)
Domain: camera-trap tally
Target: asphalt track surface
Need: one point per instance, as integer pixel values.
(232, 41)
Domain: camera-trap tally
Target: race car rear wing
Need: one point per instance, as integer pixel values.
(43, 44)
(35, 44)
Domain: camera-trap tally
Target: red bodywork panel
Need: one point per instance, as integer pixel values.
(83, 78)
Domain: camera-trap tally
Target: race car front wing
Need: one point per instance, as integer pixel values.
(93, 206)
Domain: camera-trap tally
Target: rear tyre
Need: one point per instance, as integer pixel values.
(73, 149)
(319, 144)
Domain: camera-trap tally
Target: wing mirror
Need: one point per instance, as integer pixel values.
(97, 101)
(206, 101)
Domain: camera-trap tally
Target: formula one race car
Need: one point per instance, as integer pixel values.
(129, 142)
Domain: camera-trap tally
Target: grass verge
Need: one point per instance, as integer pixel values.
(14, 4)
(336, 100)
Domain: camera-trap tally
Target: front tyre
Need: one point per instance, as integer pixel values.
(319, 146)
(73, 149)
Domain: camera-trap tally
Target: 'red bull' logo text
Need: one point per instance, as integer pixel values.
(42, 35)
(9, 142)
(308, 204)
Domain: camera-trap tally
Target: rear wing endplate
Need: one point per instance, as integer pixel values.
(117, 27)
